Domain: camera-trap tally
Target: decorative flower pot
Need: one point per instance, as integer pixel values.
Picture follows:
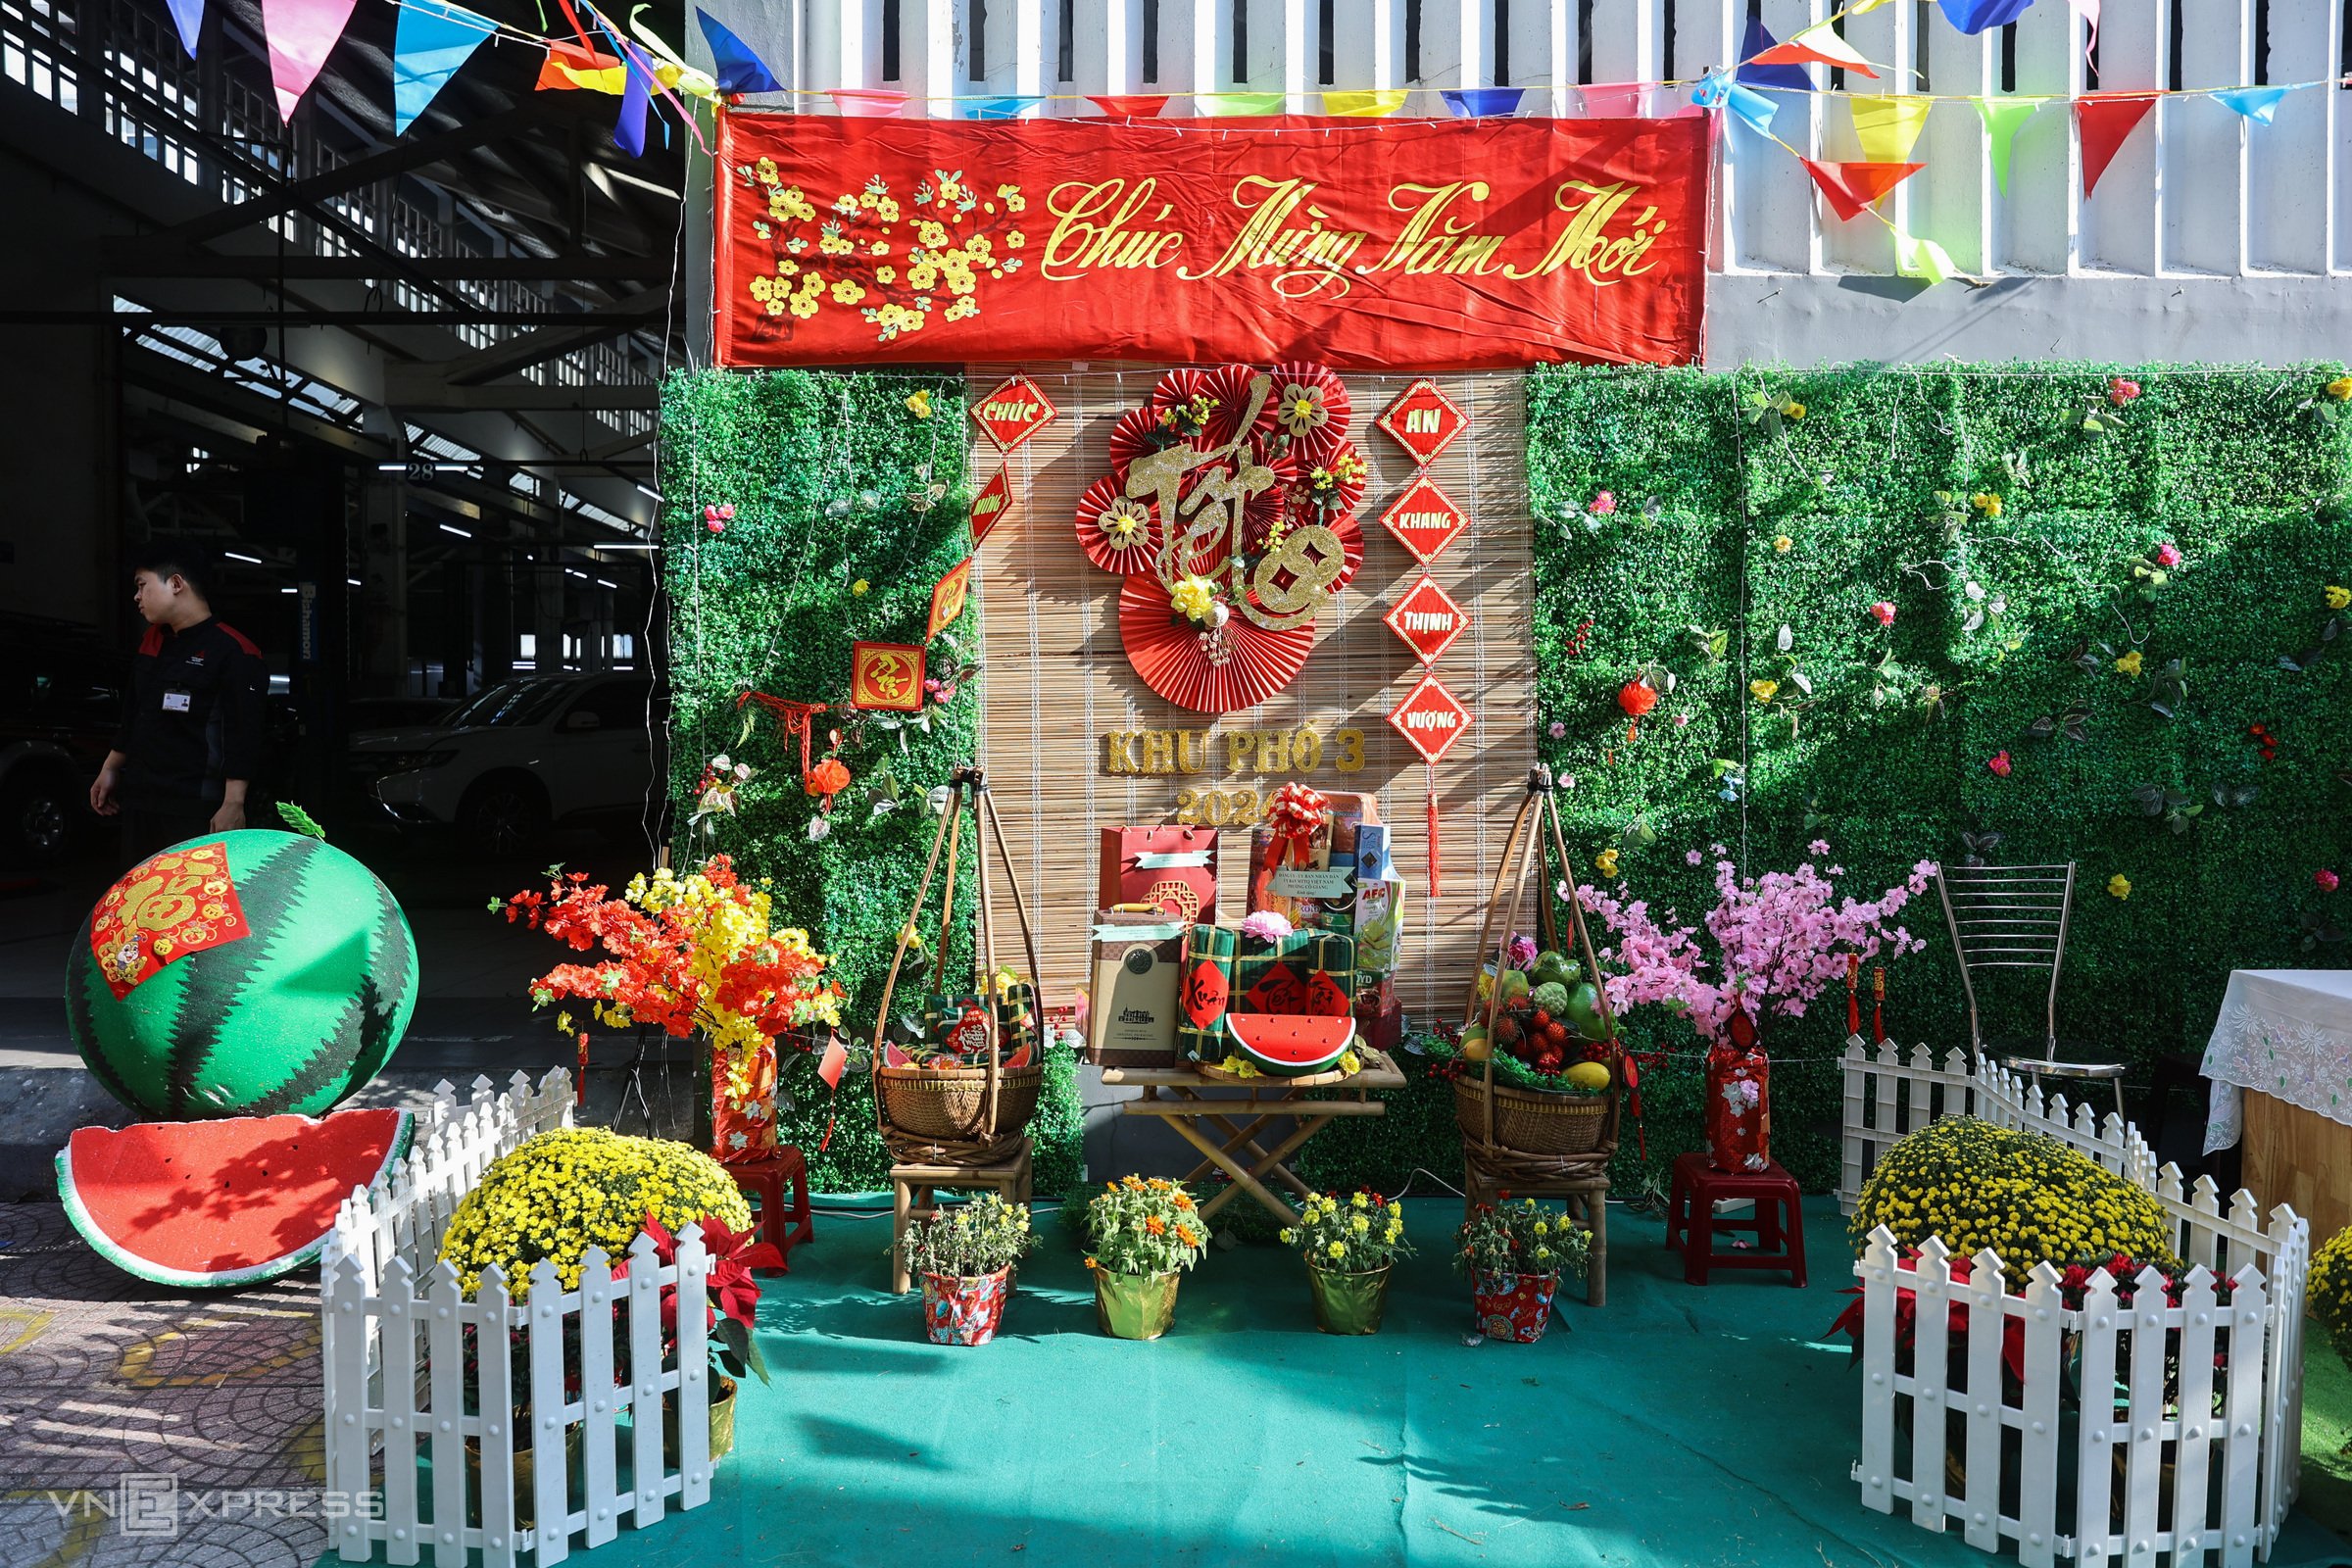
(967, 1309)
(1513, 1307)
(1739, 1101)
(1348, 1303)
(723, 1422)
(526, 1475)
(1135, 1307)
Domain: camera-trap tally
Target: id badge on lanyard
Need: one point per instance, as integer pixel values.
(178, 702)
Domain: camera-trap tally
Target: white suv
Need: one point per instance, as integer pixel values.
(523, 756)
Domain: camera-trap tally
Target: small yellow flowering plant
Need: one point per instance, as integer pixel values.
(1521, 1238)
(1144, 1226)
(1358, 1234)
(2025, 1196)
(2329, 1298)
(576, 1187)
(970, 1240)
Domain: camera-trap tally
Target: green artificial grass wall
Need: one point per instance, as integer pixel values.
(1999, 622)
(847, 506)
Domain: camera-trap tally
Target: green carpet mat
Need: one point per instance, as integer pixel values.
(1675, 1426)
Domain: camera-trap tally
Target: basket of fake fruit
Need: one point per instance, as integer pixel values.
(932, 1076)
(1555, 1078)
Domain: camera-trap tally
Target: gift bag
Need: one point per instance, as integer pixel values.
(1131, 1021)
(1205, 993)
(1311, 972)
(1378, 923)
(1172, 868)
(743, 1103)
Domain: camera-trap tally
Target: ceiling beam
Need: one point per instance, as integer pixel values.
(590, 325)
(140, 258)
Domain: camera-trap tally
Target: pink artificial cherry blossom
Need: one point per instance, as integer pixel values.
(2326, 879)
(2120, 390)
(2167, 555)
(1883, 612)
(1604, 504)
(717, 517)
(1999, 762)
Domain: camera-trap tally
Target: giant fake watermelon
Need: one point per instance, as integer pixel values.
(1290, 1045)
(222, 1203)
(243, 973)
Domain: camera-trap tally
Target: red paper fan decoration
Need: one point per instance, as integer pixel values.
(1348, 488)
(1134, 435)
(1307, 407)
(1229, 384)
(1107, 547)
(1167, 652)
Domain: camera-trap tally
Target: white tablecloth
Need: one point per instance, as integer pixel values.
(2286, 1033)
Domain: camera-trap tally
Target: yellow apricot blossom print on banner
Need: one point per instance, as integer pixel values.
(898, 259)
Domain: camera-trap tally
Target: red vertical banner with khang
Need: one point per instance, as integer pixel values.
(1439, 244)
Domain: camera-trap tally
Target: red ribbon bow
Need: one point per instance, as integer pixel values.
(1292, 816)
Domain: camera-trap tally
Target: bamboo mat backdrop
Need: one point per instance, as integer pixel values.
(1058, 679)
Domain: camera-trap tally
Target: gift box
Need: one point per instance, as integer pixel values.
(1379, 1016)
(1378, 925)
(1305, 972)
(1130, 1018)
(1171, 868)
(1205, 992)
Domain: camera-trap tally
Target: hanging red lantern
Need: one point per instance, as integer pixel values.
(826, 780)
(1636, 697)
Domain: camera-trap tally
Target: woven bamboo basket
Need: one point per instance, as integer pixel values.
(929, 1105)
(1532, 1122)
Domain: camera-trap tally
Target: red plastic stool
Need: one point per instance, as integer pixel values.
(1692, 1223)
(783, 1225)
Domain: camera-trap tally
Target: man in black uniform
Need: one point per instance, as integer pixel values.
(191, 736)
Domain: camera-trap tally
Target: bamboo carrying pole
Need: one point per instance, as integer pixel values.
(967, 790)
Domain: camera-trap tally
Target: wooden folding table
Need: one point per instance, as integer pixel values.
(1181, 1097)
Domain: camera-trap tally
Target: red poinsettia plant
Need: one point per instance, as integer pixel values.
(731, 1292)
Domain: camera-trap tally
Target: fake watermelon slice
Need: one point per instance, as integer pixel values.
(226, 1203)
(1290, 1045)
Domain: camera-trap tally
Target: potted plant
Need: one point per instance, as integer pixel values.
(966, 1255)
(1514, 1255)
(1349, 1248)
(731, 1300)
(698, 954)
(1143, 1235)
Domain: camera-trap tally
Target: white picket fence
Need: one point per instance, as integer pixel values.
(2183, 1463)
(395, 1372)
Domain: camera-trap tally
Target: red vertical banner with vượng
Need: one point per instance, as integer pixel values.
(1437, 244)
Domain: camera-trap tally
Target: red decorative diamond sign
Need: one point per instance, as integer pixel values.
(1014, 413)
(1430, 720)
(1425, 521)
(1428, 620)
(1423, 421)
(992, 505)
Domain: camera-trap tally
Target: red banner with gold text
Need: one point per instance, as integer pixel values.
(1434, 244)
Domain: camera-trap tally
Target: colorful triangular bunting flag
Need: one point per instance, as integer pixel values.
(188, 17)
(299, 34)
(1129, 105)
(2106, 120)
(1481, 103)
(1887, 126)
(1850, 188)
(1972, 17)
(636, 102)
(2257, 104)
(571, 67)
(1753, 108)
(1228, 103)
(2002, 117)
(871, 103)
(1365, 105)
(1818, 45)
(431, 41)
(738, 70)
(1010, 107)
(1612, 100)
(1760, 41)
(1922, 257)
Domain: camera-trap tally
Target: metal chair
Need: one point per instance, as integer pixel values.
(2015, 917)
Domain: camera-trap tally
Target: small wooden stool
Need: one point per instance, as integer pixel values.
(784, 1226)
(913, 1197)
(1691, 1222)
(1588, 1198)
